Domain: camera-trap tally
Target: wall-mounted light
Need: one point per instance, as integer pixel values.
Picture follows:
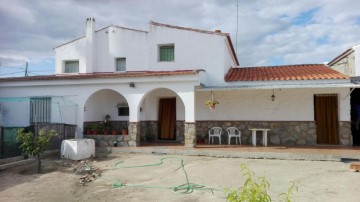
(132, 84)
(273, 96)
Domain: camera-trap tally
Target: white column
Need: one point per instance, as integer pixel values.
(134, 106)
(189, 101)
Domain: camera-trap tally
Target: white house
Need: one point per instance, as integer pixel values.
(156, 82)
(348, 62)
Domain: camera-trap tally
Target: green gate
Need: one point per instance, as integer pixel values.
(9, 144)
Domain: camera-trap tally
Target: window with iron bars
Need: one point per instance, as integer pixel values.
(40, 110)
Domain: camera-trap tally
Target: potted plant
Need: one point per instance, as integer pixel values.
(87, 131)
(106, 131)
(124, 131)
(200, 140)
(211, 104)
(94, 129)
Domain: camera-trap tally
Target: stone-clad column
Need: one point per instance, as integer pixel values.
(134, 133)
(190, 135)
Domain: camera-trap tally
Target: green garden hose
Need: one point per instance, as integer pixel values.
(186, 188)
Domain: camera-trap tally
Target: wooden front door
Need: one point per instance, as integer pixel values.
(167, 119)
(326, 117)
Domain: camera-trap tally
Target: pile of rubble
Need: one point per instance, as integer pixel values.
(85, 168)
(88, 171)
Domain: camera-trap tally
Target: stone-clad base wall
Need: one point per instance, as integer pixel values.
(108, 140)
(190, 135)
(149, 131)
(282, 132)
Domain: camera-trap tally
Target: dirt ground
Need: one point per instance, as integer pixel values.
(319, 181)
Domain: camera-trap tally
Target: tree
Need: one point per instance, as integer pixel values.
(35, 146)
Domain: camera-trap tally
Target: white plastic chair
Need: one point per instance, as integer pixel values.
(215, 132)
(234, 132)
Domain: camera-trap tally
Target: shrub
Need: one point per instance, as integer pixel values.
(35, 146)
(256, 189)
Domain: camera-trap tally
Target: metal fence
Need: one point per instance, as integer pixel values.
(9, 146)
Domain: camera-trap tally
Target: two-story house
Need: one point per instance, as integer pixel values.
(156, 83)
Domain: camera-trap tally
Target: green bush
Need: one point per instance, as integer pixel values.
(255, 189)
(35, 146)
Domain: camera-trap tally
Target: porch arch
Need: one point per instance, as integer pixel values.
(105, 102)
(149, 108)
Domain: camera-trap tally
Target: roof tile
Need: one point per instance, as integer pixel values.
(101, 75)
(283, 73)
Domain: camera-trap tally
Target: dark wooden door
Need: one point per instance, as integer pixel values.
(167, 118)
(326, 117)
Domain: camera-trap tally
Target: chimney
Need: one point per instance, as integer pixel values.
(90, 45)
(217, 31)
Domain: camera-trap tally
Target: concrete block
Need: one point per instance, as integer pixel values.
(77, 149)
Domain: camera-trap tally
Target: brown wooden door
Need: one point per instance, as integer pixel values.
(167, 118)
(326, 117)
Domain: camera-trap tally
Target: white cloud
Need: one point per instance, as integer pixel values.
(30, 29)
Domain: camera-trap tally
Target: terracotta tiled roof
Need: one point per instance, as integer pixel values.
(283, 73)
(101, 75)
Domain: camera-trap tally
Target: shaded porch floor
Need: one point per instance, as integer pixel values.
(310, 153)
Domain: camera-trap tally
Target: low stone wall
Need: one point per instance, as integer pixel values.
(282, 132)
(108, 140)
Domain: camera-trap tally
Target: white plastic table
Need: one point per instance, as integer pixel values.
(264, 134)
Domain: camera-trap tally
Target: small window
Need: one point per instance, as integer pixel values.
(166, 53)
(120, 64)
(123, 111)
(71, 67)
(40, 110)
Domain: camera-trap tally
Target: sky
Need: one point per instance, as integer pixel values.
(270, 32)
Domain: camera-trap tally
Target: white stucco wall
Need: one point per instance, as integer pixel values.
(75, 50)
(150, 105)
(256, 105)
(79, 93)
(115, 42)
(356, 59)
(104, 102)
(346, 65)
(193, 50)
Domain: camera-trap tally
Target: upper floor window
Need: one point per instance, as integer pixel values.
(166, 53)
(120, 64)
(40, 110)
(71, 67)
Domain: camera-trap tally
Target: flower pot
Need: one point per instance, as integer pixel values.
(114, 132)
(124, 131)
(94, 132)
(106, 132)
